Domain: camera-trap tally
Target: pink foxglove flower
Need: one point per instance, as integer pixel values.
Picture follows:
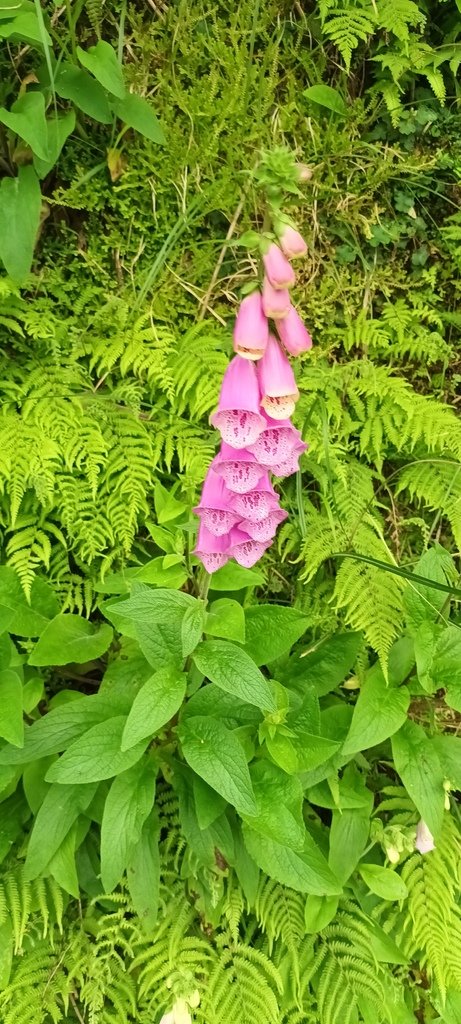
(275, 301)
(238, 468)
(424, 841)
(245, 550)
(265, 529)
(215, 508)
(212, 551)
(293, 334)
(291, 242)
(277, 383)
(278, 270)
(276, 442)
(291, 464)
(256, 505)
(251, 330)
(238, 417)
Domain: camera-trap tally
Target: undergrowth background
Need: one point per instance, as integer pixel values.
(111, 356)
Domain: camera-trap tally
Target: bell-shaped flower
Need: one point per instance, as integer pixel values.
(251, 330)
(424, 841)
(256, 505)
(293, 334)
(238, 468)
(278, 269)
(276, 302)
(291, 242)
(265, 529)
(245, 550)
(238, 417)
(276, 442)
(215, 508)
(291, 464)
(279, 393)
(212, 551)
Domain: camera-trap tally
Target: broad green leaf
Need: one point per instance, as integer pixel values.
(143, 875)
(326, 667)
(167, 506)
(318, 912)
(446, 665)
(279, 800)
(96, 755)
(19, 616)
(300, 752)
(209, 805)
(418, 764)
(101, 61)
(139, 114)
(25, 27)
(11, 720)
(60, 808)
(154, 618)
(226, 619)
(192, 628)
(154, 705)
(307, 871)
(216, 755)
(246, 869)
(234, 671)
(62, 865)
(129, 802)
(70, 638)
(20, 205)
(211, 701)
(449, 752)
(14, 813)
(271, 630)
(349, 833)
(200, 841)
(384, 882)
(425, 642)
(423, 604)
(327, 97)
(6, 951)
(32, 693)
(27, 120)
(235, 577)
(379, 712)
(56, 730)
(74, 84)
(58, 130)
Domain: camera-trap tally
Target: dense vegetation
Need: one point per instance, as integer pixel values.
(210, 789)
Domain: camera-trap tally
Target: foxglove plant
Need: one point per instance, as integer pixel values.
(239, 509)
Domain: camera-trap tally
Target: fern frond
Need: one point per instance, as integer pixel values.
(243, 988)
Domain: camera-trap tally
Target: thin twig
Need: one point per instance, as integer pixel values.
(76, 1010)
(214, 277)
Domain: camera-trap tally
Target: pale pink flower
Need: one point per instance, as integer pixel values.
(265, 529)
(278, 270)
(251, 329)
(238, 468)
(213, 551)
(238, 416)
(255, 505)
(304, 172)
(245, 550)
(215, 508)
(275, 301)
(424, 841)
(291, 242)
(293, 334)
(276, 442)
(279, 393)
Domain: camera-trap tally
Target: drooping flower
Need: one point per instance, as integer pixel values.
(215, 508)
(278, 269)
(276, 443)
(213, 551)
(265, 529)
(238, 417)
(251, 330)
(239, 468)
(255, 505)
(245, 550)
(279, 393)
(276, 302)
(291, 242)
(293, 334)
(424, 841)
(291, 464)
